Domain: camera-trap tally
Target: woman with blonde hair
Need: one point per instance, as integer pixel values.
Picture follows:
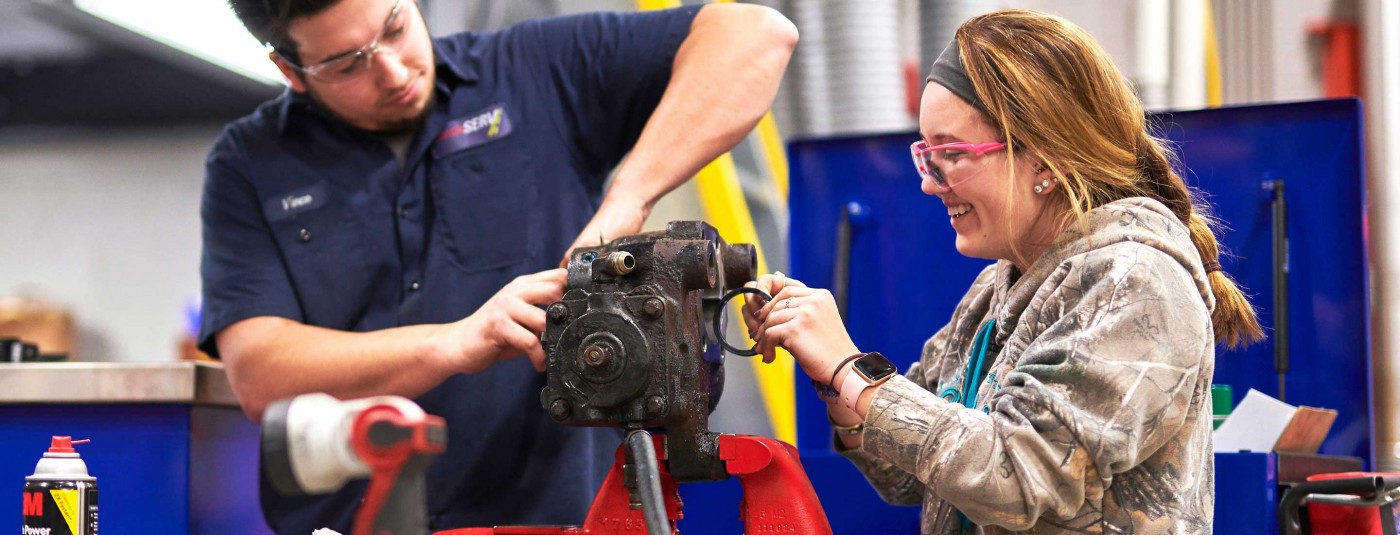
(1070, 392)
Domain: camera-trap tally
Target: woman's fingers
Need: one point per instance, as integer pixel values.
(785, 298)
(774, 285)
(761, 315)
(777, 318)
(752, 324)
(788, 299)
(752, 302)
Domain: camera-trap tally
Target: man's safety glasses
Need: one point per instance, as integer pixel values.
(356, 62)
(927, 159)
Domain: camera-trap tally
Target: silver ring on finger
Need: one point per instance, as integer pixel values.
(787, 303)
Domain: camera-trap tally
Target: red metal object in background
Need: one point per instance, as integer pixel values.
(914, 83)
(1328, 519)
(397, 447)
(1341, 61)
(778, 497)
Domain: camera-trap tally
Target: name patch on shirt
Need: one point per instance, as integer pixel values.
(477, 128)
(289, 204)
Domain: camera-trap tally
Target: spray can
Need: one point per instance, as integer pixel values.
(60, 498)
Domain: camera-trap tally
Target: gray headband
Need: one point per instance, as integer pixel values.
(948, 72)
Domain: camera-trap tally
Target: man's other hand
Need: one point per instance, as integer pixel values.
(507, 325)
(617, 217)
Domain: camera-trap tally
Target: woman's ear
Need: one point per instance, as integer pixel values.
(1044, 185)
(1045, 179)
(1044, 168)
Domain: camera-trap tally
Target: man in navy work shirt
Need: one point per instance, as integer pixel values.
(388, 225)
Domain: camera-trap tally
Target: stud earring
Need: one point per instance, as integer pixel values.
(1040, 188)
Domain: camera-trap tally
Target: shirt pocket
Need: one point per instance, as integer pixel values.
(325, 258)
(486, 200)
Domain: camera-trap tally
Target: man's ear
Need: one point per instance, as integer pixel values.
(290, 73)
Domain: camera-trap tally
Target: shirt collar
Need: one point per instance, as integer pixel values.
(297, 108)
(291, 103)
(453, 63)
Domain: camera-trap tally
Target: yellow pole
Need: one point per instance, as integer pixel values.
(725, 207)
(774, 152)
(652, 5)
(1214, 90)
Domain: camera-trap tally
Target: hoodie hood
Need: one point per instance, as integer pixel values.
(1135, 220)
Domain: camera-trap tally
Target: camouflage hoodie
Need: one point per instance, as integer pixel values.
(1095, 414)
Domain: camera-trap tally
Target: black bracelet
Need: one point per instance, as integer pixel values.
(843, 364)
(825, 391)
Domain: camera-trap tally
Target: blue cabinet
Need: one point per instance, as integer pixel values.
(170, 454)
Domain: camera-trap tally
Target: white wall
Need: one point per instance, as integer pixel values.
(1109, 21)
(1279, 37)
(1381, 55)
(105, 222)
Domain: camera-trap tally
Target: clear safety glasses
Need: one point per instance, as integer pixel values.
(930, 160)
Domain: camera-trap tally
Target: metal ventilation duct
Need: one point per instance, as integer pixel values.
(938, 20)
(847, 71)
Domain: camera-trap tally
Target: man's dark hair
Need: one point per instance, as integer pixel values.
(268, 20)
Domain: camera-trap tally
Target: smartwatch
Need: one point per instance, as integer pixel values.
(871, 369)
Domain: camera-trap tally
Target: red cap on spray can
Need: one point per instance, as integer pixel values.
(64, 444)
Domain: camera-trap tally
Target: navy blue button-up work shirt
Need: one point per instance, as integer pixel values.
(309, 219)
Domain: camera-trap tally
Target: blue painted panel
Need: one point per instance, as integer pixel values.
(711, 507)
(223, 486)
(139, 455)
(1246, 493)
(851, 504)
(1315, 148)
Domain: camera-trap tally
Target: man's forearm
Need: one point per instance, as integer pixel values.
(271, 358)
(724, 78)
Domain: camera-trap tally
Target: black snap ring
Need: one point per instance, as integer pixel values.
(719, 315)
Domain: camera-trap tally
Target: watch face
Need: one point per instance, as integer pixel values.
(874, 366)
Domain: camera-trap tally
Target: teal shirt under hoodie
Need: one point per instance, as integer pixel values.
(1095, 413)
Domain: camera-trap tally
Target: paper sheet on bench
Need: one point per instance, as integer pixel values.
(1254, 425)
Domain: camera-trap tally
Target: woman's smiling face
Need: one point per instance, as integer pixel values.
(994, 212)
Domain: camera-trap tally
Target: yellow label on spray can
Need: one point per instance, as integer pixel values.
(67, 502)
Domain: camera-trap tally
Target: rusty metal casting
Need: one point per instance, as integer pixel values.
(627, 346)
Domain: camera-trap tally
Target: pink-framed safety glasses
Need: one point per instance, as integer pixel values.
(926, 158)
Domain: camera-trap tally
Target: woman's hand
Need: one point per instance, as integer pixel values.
(802, 320)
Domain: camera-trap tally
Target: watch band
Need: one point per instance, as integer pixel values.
(826, 390)
(851, 388)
